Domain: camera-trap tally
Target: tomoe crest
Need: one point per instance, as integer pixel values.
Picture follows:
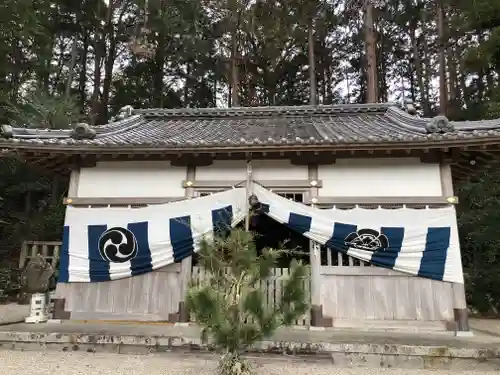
(118, 245)
(368, 240)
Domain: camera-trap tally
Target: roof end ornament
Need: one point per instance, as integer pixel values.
(439, 124)
(123, 113)
(7, 131)
(83, 131)
(409, 107)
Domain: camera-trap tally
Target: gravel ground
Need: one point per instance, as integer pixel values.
(47, 363)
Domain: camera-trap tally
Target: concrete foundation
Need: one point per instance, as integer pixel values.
(343, 349)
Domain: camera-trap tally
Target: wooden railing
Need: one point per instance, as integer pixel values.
(48, 249)
(331, 257)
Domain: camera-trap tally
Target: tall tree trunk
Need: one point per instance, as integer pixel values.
(109, 60)
(234, 54)
(417, 62)
(71, 67)
(490, 80)
(215, 91)
(443, 84)
(328, 84)
(454, 86)
(159, 61)
(413, 88)
(47, 66)
(382, 85)
(371, 53)
(99, 50)
(82, 81)
(454, 103)
(348, 86)
(481, 87)
(137, 32)
(47, 51)
(463, 85)
(159, 73)
(312, 62)
(426, 60)
(187, 84)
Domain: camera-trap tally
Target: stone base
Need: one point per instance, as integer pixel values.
(318, 319)
(340, 349)
(316, 316)
(173, 318)
(462, 320)
(327, 321)
(317, 329)
(464, 334)
(41, 318)
(183, 313)
(38, 308)
(59, 312)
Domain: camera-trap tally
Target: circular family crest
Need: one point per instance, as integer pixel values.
(118, 245)
(367, 239)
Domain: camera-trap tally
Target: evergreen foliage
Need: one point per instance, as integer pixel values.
(230, 303)
(9, 281)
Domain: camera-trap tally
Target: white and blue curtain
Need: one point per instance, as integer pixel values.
(102, 244)
(420, 242)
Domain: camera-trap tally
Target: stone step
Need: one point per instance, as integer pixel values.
(392, 325)
(374, 352)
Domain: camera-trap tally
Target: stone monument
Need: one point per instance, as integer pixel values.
(35, 279)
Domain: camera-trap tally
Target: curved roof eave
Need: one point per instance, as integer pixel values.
(138, 149)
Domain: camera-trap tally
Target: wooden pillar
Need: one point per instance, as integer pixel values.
(249, 182)
(459, 303)
(187, 263)
(74, 179)
(61, 289)
(315, 261)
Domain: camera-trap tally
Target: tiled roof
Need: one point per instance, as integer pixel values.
(336, 125)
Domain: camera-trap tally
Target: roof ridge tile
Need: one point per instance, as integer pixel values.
(266, 111)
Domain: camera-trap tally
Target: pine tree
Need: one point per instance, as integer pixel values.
(231, 294)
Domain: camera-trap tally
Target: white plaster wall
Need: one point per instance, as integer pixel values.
(222, 170)
(347, 177)
(131, 179)
(380, 178)
(236, 170)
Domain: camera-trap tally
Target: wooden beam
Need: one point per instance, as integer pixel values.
(360, 271)
(313, 158)
(119, 201)
(269, 184)
(191, 160)
(39, 160)
(57, 163)
(87, 161)
(431, 157)
(380, 200)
